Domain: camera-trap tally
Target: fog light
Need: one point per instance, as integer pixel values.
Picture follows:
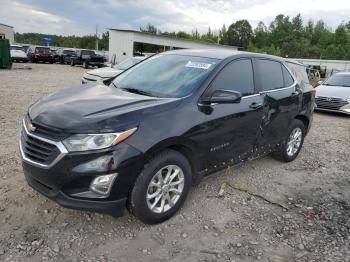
(103, 184)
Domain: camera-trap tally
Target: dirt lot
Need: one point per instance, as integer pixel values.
(260, 214)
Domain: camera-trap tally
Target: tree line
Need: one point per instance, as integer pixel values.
(284, 36)
(83, 42)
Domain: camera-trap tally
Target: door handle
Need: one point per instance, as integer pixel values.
(255, 105)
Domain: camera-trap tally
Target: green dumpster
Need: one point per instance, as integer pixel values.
(5, 57)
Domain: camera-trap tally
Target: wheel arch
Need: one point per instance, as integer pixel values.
(181, 145)
(305, 120)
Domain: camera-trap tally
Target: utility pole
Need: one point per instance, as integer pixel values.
(96, 37)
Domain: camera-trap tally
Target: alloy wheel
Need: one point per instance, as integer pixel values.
(165, 189)
(294, 141)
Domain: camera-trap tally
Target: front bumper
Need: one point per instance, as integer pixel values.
(65, 181)
(340, 111)
(113, 207)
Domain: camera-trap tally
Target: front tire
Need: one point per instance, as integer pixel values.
(161, 188)
(293, 143)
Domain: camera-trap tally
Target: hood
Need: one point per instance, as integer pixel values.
(105, 72)
(333, 91)
(95, 108)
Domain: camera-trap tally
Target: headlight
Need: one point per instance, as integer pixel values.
(85, 142)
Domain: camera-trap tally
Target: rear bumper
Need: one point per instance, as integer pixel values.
(113, 207)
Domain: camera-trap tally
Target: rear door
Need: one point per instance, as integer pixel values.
(281, 99)
(229, 132)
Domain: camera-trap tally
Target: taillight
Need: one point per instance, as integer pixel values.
(313, 92)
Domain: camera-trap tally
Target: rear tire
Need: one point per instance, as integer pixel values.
(293, 143)
(161, 188)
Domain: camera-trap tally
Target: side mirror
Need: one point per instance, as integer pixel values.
(225, 97)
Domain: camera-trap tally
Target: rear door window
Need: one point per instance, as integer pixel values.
(271, 74)
(236, 76)
(288, 79)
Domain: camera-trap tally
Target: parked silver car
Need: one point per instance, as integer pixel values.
(106, 73)
(333, 94)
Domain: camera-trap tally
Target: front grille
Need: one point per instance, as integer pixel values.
(38, 150)
(48, 132)
(331, 103)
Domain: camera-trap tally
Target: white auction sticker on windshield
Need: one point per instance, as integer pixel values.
(198, 65)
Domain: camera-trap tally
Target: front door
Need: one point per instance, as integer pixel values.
(228, 133)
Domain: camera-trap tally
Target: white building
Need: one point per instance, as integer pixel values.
(121, 43)
(7, 32)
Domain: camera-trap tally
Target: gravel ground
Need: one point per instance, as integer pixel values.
(262, 210)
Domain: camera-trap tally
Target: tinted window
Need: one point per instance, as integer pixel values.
(288, 79)
(87, 52)
(271, 74)
(236, 76)
(299, 71)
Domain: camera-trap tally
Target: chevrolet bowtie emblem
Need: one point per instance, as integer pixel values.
(30, 127)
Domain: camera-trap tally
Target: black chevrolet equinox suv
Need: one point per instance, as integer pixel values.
(159, 127)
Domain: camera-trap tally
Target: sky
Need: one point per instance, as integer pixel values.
(79, 17)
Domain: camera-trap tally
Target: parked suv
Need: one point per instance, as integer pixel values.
(162, 125)
(40, 53)
(87, 58)
(65, 55)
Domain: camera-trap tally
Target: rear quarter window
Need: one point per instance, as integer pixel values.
(299, 72)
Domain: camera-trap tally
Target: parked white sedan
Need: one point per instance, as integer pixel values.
(106, 73)
(19, 56)
(333, 95)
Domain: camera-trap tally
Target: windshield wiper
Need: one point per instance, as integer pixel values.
(137, 91)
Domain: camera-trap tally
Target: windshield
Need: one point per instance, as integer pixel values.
(68, 52)
(167, 75)
(338, 80)
(87, 52)
(16, 48)
(127, 63)
(42, 49)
